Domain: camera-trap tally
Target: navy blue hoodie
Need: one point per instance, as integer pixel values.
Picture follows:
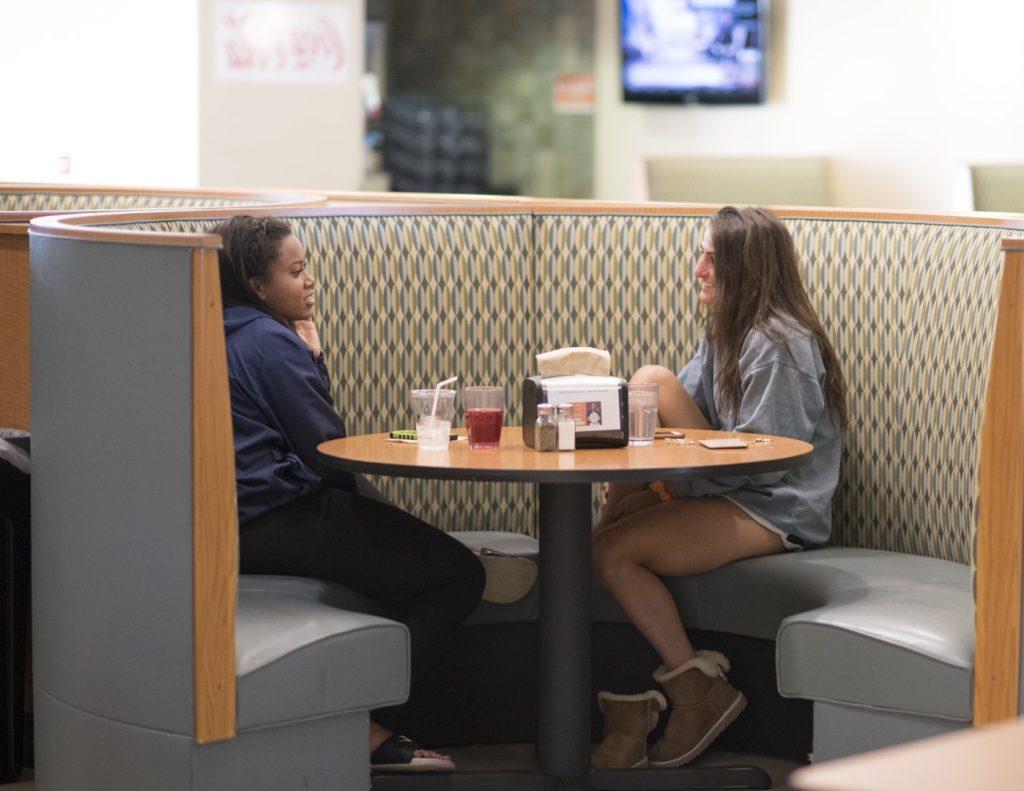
(281, 409)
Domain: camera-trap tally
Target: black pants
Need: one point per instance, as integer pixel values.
(421, 576)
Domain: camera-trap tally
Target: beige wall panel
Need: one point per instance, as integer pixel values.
(290, 134)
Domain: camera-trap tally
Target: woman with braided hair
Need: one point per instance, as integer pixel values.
(298, 517)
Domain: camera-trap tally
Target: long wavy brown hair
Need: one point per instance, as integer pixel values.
(758, 286)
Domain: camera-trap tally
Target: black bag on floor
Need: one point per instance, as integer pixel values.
(14, 599)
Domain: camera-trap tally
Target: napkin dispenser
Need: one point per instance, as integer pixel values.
(600, 407)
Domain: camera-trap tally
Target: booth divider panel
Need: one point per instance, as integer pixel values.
(112, 508)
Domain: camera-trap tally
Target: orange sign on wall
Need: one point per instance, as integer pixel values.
(574, 93)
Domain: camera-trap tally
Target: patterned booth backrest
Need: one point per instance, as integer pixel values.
(53, 199)
(913, 337)
(407, 299)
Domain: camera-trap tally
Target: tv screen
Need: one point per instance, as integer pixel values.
(679, 51)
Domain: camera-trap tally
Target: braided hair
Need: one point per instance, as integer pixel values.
(250, 245)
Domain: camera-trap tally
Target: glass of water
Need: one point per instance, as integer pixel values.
(643, 413)
(433, 423)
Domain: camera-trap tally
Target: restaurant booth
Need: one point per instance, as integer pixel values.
(157, 666)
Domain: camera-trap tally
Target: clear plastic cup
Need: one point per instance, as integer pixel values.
(643, 413)
(485, 412)
(433, 426)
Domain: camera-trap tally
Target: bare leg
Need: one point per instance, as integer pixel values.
(677, 538)
(675, 408)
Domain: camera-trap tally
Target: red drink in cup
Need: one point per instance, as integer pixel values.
(484, 427)
(485, 412)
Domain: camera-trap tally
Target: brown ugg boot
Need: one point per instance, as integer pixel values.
(627, 721)
(703, 705)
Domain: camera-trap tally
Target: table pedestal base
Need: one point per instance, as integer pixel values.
(563, 717)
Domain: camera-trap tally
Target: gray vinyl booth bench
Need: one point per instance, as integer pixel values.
(156, 666)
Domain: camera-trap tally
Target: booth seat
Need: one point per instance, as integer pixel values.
(876, 630)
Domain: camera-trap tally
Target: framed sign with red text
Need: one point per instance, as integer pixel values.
(280, 42)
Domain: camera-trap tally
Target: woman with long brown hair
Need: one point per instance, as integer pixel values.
(764, 366)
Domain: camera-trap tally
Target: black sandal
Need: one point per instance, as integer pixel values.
(398, 754)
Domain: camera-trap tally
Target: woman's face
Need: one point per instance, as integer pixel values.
(287, 289)
(705, 271)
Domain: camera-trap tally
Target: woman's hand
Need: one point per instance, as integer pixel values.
(306, 330)
(622, 499)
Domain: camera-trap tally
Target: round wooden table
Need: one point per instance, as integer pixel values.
(564, 523)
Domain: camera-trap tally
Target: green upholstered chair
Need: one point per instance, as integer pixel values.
(753, 181)
(998, 187)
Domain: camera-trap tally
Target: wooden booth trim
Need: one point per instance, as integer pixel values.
(1001, 509)
(557, 207)
(15, 352)
(261, 196)
(426, 198)
(214, 511)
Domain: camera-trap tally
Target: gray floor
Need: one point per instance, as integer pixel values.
(521, 756)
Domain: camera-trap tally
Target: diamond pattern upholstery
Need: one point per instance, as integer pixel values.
(408, 300)
(105, 201)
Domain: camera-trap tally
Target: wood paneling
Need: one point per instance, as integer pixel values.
(215, 514)
(1001, 512)
(14, 332)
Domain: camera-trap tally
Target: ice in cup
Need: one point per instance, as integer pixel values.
(485, 412)
(643, 413)
(433, 424)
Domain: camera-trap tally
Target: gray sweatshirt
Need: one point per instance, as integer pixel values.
(782, 394)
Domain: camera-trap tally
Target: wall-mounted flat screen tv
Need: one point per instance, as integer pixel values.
(678, 51)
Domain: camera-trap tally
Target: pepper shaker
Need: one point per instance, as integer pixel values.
(546, 431)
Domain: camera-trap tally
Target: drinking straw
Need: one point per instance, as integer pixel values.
(437, 392)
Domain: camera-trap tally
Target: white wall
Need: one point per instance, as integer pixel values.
(299, 134)
(99, 92)
(899, 94)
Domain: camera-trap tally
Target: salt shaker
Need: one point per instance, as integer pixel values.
(546, 431)
(566, 427)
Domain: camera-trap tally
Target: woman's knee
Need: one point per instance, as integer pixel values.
(652, 374)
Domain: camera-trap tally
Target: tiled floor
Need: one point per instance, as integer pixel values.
(522, 756)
